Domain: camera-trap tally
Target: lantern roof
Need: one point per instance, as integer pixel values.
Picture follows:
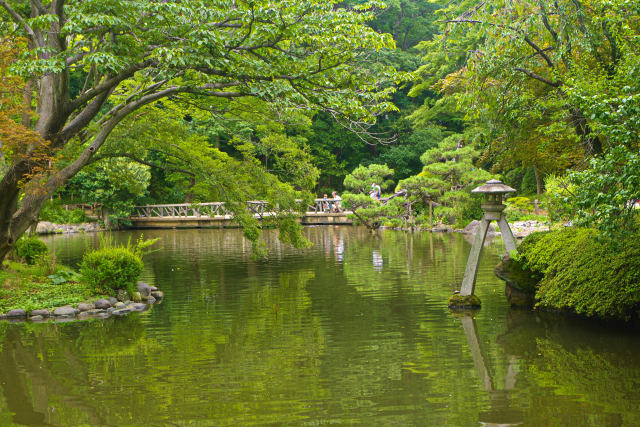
(493, 186)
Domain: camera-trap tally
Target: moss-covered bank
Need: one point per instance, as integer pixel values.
(30, 287)
(27, 293)
(579, 271)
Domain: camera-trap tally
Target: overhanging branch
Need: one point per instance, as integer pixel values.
(539, 77)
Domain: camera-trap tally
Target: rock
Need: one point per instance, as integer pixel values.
(153, 288)
(64, 311)
(95, 311)
(144, 289)
(121, 312)
(103, 315)
(473, 226)
(157, 294)
(136, 297)
(113, 300)
(41, 312)
(520, 282)
(83, 315)
(151, 300)
(110, 310)
(61, 319)
(83, 306)
(122, 295)
(102, 304)
(517, 298)
(18, 312)
(36, 318)
(464, 301)
(138, 306)
(119, 305)
(45, 227)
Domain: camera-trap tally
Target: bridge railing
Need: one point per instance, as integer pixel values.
(326, 206)
(217, 209)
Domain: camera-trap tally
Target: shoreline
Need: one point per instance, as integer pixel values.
(520, 229)
(46, 227)
(102, 307)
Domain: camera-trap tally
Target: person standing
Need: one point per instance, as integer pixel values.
(337, 202)
(376, 191)
(325, 204)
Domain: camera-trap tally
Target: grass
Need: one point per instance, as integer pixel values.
(29, 287)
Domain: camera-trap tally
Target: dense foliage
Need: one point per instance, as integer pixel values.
(56, 213)
(111, 269)
(233, 101)
(30, 249)
(114, 266)
(243, 69)
(583, 273)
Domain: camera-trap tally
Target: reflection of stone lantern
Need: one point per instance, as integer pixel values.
(493, 208)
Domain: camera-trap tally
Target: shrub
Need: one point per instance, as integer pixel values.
(584, 272)
(111, 269)
(30, 249)
(56, 213)
(558, 198)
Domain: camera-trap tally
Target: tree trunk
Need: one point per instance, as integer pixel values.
(538, 180)
(190, 196)
(590, 142)
(27, 97)
(405, 39)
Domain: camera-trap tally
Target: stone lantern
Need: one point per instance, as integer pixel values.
(493, 192)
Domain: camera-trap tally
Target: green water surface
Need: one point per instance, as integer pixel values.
(352, 331)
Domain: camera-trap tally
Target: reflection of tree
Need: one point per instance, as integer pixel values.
(45, 377)
(309, 336)
(421, 262)
(582, 367)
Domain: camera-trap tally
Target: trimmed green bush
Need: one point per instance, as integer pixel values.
(30, 249)
(584, 273)
(111, 269)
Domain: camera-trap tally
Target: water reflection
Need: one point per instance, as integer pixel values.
(317, 336)
(499, 412)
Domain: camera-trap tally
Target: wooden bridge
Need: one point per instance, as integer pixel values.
(215, 214)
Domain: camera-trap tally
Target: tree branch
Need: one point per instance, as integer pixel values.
(540, 51)
(18, 19)
(539, 77)
(106, 85)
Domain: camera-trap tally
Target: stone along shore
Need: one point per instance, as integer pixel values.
(102, 308)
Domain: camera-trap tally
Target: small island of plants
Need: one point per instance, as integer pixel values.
(36, 286)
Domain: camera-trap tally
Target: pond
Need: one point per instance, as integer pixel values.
(354, 330)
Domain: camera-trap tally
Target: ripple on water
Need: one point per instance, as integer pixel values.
(353, 330)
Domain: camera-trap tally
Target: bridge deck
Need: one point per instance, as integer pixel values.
(214, 214)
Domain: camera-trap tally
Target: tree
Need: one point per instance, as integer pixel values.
(116, 184)
(97, 62)
(604, 195)
(452, 171)
(421, 193)
(369, 211)
(525, 67)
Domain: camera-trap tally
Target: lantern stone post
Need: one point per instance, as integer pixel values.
(493, 208)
